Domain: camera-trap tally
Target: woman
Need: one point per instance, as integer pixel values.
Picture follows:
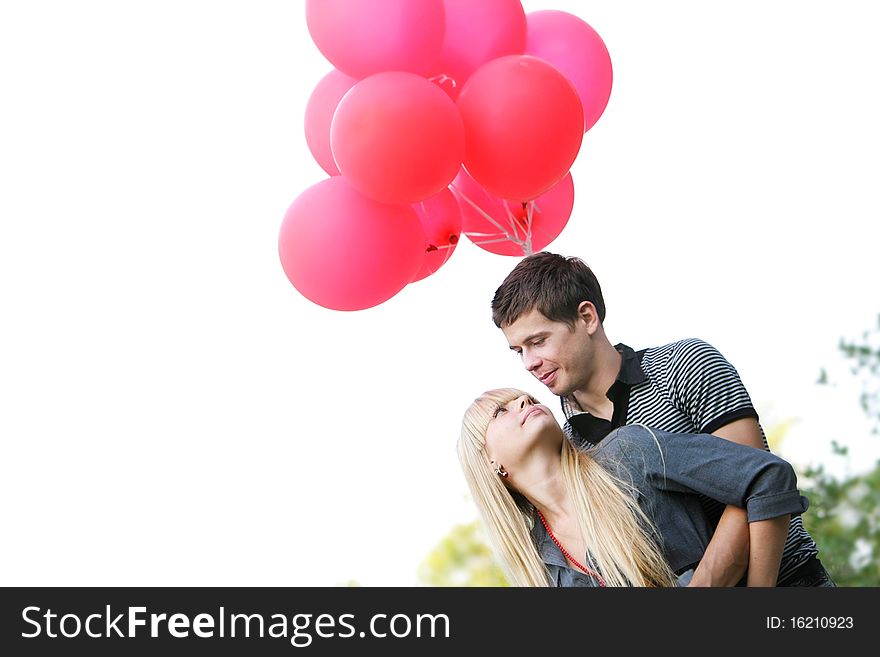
(626, 512)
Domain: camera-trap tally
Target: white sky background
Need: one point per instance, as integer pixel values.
(173, 412)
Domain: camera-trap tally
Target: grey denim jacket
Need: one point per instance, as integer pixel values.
(669, 475)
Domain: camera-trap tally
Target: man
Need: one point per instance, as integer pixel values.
(551, 310)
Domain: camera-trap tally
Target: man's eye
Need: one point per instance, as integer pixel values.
(538, 342)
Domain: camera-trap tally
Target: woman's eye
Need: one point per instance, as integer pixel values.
(498, 411)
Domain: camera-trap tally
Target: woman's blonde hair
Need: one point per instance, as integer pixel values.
(619, 537)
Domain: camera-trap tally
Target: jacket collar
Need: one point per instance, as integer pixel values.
(547, 549)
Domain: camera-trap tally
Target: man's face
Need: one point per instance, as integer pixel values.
(557, 355)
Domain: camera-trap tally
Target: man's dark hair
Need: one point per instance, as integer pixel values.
(554, 284)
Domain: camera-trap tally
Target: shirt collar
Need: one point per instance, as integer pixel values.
(630, 374)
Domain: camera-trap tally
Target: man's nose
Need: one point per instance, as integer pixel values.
(531, 362)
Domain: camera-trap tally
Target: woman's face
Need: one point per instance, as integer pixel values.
(516, 427)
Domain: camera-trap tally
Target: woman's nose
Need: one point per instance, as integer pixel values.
(523, 400)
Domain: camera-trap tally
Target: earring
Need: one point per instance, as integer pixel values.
(500, 471)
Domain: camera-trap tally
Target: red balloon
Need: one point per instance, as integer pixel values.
(478, 31)
(344, 251)
(523, 125)
(319, 113)
(505, 229)
(397, 138)
(362, 37)
(440, 217)
(577, 50)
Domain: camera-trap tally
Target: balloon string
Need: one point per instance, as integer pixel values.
(525, 245)
(495, 241)
(526, 242)
(529, 217)
(480, 210)
(511, 220)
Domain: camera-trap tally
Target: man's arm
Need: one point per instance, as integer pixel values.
(767, 541)
(727, 555)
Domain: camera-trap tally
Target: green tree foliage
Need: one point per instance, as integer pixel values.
(844, 515)
(844, 518)
(462, 558)
(865, 357)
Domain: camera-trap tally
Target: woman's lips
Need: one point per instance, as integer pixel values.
(531, 412)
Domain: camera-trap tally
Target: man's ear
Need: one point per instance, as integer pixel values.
(588, 315)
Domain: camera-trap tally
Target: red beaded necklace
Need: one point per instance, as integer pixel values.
(588, 571)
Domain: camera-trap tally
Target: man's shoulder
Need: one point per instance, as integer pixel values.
(679, 346)
(685, 351)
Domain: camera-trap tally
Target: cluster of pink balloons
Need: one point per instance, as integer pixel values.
(440, 117)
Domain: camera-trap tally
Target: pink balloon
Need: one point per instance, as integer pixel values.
(440, 217)
(397, 138)
(362, 37)
(504, 234)
(478, 31)
(573, 47)
(523, 126)
(344, 251)
(319, 113)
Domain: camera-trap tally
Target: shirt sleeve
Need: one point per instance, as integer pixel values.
(706, 387)
(750, 478)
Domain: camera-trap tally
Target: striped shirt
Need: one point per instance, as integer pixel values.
(683, 387)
